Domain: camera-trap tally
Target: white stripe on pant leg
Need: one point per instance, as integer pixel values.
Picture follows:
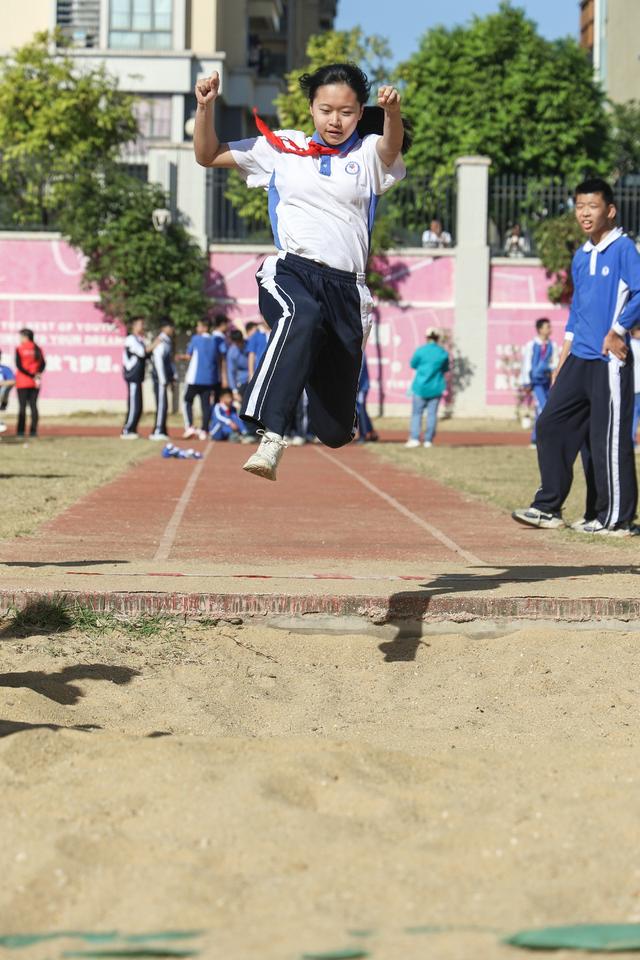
(270, 360)
(185, 410)
(613, 450)
(132, 406)
(366, 309)
(162, 403)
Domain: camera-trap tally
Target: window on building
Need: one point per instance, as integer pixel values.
(79, 21)
(140, 24)
(153, 114)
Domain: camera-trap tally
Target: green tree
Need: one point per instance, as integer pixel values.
(625, 137)
(557, 239)
(54, 122)
(497, 87)
(139, 271)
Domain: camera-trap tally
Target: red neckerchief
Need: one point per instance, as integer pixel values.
(286, 144)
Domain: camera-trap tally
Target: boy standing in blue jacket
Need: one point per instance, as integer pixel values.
(539, 359)
(592, 398)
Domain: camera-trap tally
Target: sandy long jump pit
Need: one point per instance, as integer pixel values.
(282, 794)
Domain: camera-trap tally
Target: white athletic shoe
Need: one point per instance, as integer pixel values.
(129, 436)
(533, 517)
(3, 426)
(188, 433)
(596, 528)
(298, 441)
(158, 436)
(264, 462)
(202, 434)
(579, 525)
(412, 444)
(427, 444)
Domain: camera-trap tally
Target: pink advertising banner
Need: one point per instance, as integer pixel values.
(40, 289)
(518, 299)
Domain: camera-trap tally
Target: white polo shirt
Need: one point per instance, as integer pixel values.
(321, 208)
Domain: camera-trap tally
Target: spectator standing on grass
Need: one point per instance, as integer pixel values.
(635, 349)
(30, 364)
(593, 391)
(163, 371)
(516, 244)
(365, 426)
(257, 341)
(202, 377)
(431, 362)
(237, 365)
(435, 236)
(7, 381)
(134, 363)
(539, 360)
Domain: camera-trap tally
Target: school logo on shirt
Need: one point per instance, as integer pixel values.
(605, 271)
(352, 167)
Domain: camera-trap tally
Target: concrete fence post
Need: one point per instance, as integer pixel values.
(175, 169)
(472, 279)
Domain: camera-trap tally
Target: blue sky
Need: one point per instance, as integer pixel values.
(404, 21)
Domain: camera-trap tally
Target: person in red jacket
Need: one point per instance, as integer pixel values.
(29, 366)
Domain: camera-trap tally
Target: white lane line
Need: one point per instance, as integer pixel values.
(171, 529)
(409, 514)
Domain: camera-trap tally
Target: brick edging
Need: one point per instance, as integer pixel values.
(401, 606)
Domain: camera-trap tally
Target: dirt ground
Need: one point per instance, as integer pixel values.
(292, 793)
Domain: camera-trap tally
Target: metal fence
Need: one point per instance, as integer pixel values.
(516, 199)
(406, 212)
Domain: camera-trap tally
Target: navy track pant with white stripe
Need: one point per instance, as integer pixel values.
(319, 319)
(591, 399)
(134, 407)
(162, 406)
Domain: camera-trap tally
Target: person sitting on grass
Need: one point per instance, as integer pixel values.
(225, 422)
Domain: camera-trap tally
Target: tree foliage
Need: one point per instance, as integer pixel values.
(54, 121)
(625, 138)
(139, 271)
(498, 88)
(557, 239)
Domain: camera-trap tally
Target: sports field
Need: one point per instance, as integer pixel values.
(306, 786)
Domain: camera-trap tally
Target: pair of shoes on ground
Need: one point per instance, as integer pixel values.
(411, 444)
(264, 462)
(532, 517)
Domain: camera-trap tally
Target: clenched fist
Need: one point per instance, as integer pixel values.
(389, 99)
(207, 89)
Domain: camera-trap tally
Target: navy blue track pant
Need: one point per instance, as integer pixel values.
(319, 319)
(590, 400)
(134, 407)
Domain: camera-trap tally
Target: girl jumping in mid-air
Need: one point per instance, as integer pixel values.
(323, 193)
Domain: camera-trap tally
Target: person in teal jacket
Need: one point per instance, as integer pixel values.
(430, 362)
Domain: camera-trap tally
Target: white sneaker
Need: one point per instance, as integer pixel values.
(598, 529)
(128, 436)
(264, 462)
(533, 517)
(188, 433)
(412, 444)
(427, 444)
(202, 434)
(158, 436)
(3, 426)
(298, 441)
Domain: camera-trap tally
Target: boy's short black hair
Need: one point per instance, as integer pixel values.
(541, 321)
(596, 185)
(219, 320)
(26, 332)
(236, 336)
(224, 391)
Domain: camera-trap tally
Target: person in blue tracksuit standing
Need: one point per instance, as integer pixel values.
(431, 362)
(539, 360)
(205, 353)
(163, 372)
(237, 365)
(592, 397)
